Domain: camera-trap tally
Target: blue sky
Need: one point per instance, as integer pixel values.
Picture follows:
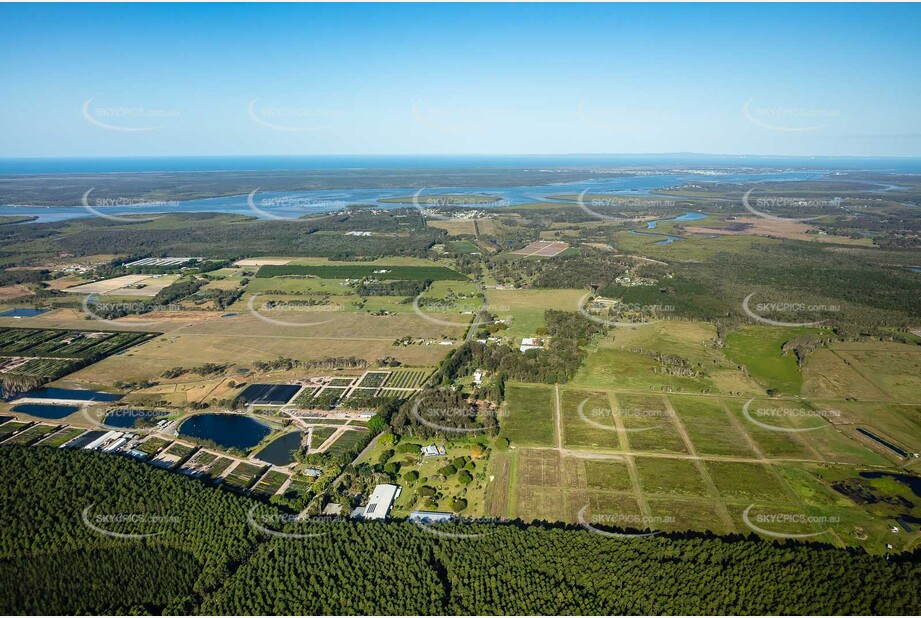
(160, 80)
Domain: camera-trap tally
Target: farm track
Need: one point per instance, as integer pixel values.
(698, 463)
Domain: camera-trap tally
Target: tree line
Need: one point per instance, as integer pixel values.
(209, 558)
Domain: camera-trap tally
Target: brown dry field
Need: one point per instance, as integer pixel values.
(65, 282)
(117, 286)
(263, 262)
(12, 292)
(196, 337)
(455, 227)
(543, 248)
(759, 226)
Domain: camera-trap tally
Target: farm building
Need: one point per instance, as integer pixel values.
(380, 502)
(433, 450)
(430, 516)
(531, 343)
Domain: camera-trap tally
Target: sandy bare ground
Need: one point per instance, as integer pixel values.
(262, 262)
(118, 285)
(758, 226)
(12, 292)
(543, 248)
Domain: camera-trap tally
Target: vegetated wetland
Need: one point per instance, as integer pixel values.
(647, 398)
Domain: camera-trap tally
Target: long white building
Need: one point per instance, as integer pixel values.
(380, 501)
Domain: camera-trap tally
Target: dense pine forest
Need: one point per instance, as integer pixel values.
(204, 555)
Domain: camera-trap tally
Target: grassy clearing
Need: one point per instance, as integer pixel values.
(893, 368)
(524, 309)
(246, 339)
(610, 368)
(693, 341)
(678, 515)
(670, 477)
(760, 350)
(243, 476)
(826, 375)
(710, 427)
(602, 474)
(748, 482)
(270, 483)
(528, 419)
(690, 249)
(436, 487)
(649, 425)
(595, 427)
(346, 442)
(359, 270)
(62, 437)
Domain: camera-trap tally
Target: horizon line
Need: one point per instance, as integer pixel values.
(472, 155)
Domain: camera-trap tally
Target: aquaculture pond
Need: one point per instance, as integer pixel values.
(127, 418)
(23, 312)
(269, 394)
(70, 394)
(280, 452)
(43, 410)
(227, 430)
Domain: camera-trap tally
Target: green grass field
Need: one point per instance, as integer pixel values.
(529, 417)
(670, 477)
(595, 427)
(760, 350)
(357, 271)
(610, 368)
(648, 424)
(748, 482)
(243, 476)
(270, 483)
(346, 442)
(710, 426)
(62, 437)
